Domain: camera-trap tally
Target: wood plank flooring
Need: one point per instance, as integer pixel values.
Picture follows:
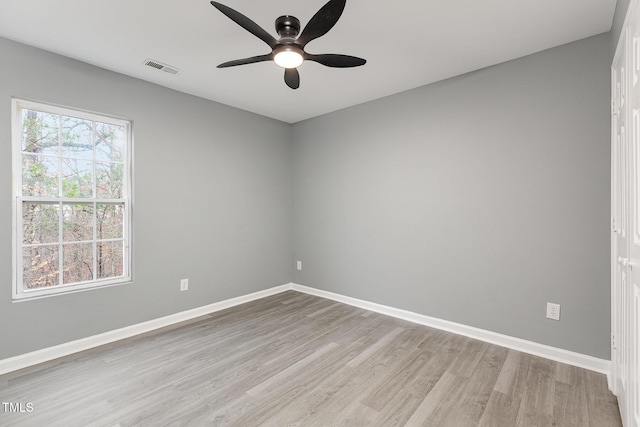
(298, 360)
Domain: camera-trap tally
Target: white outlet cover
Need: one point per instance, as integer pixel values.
(184, 285)
(553, 311)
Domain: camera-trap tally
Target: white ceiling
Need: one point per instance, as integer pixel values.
(407, 43)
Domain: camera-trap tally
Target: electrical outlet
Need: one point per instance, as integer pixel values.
(299, 265)
(184, 285)
(553, 311)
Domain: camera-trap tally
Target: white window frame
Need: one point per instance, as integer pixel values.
(19, 293)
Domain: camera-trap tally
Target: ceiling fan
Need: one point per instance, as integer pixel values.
(288, 51)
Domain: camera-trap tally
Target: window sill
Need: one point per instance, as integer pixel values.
(72, 289)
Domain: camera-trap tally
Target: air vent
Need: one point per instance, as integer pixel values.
(160, 66)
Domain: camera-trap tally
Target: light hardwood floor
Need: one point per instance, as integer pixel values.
(294, 359)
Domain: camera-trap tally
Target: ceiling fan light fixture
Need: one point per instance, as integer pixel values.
(288, 57)
(288, 51)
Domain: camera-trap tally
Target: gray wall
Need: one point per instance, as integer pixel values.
(476, 199)
(618, 20)
(212, 201)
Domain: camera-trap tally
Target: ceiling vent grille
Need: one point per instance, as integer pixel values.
(160, 66)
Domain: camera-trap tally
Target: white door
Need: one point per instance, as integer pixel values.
(633, 387)
(620, 219)
(626, 219)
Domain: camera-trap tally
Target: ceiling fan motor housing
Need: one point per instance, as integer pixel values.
(288, 26)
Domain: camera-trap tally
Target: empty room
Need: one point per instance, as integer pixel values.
(336, 213)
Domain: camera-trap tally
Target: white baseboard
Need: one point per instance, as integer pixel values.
(50, 353)
(564, 356)
(559, 355)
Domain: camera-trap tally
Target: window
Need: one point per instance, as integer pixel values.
(72, 187)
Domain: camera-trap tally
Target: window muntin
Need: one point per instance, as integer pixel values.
(72, 207)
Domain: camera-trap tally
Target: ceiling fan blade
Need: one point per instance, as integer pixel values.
(322, 21)
(337, 61)
(292, 78)
(247, 24)
(253, 59)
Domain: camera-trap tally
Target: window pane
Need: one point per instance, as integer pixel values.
(77, 224)
(77, 178)
(39, 176)
(39, 132)
(110, 259)
(109, 182)
(77, 260)
(77, 138)
(109, 142)
(40, 223)
(109, 221)
(40, 265)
